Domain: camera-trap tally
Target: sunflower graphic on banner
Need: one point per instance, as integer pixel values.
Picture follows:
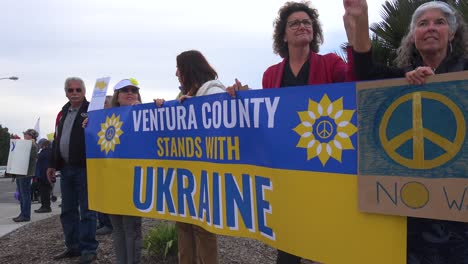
(325, 129)
(110, 133)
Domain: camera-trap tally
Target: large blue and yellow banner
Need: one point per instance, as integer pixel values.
(276, 165)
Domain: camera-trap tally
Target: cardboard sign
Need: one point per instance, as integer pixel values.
(18, 158)
(99, 94)
(413, 147)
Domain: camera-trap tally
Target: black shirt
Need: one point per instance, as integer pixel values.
(366, 69)
(302, 77)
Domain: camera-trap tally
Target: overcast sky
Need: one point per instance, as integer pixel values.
(44, 42)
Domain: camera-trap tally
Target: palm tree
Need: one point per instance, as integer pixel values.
(396, 15)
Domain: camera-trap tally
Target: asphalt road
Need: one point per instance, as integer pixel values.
(8, 188)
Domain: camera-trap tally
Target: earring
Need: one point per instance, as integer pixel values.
(450, 45)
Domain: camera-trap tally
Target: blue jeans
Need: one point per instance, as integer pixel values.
(24, 188)
(79, 226)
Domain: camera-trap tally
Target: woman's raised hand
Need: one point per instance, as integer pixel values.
(237, 86)
(350, 27)
(356, 22)
(355, 8)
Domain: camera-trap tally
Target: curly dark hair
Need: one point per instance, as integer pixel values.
(407, 52)
(279, 46)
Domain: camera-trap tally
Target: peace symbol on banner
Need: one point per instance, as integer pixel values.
(420, 135)
(324, 129)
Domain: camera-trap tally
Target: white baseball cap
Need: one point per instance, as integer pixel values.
(126, 82)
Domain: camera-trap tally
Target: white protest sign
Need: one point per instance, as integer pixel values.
(99, 94)
(18, 158)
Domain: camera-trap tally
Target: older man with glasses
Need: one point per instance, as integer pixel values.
(68, 155)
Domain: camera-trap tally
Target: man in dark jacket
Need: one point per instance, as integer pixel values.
(69, 156)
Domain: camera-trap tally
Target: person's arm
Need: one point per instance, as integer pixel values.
(264, 80)
(356, 21)
(55, 144)
(52, 159)
(350, 28)
(350, 76)
(272, 76)
(341, 71)
(366, 69)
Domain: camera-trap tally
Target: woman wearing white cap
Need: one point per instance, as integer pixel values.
(436, 42)
(126, 232)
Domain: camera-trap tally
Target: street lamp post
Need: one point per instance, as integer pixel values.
(13, 78)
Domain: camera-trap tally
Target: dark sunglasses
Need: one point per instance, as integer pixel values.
(129, 89)
(70, 90)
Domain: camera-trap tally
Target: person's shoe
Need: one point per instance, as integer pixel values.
(21, 219)
(43, 210)
(105, 230)
(87, 258)
(67, 254)
(16, 218)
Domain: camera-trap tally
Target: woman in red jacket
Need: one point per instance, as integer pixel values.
(296, 38)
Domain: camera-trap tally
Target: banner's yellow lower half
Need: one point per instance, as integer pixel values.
(310, 214)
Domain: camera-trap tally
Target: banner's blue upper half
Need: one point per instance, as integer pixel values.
(265, 137)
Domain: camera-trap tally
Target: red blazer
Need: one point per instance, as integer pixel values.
(328, 68)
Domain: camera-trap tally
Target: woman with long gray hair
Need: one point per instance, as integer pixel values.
(437, 42)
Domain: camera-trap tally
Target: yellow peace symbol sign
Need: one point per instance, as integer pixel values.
(418, 133)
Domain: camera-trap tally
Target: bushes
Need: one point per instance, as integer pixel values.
(161, 241)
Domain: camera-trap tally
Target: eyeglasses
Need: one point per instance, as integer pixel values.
(295, 24)
(129, 89)
(71, 90)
